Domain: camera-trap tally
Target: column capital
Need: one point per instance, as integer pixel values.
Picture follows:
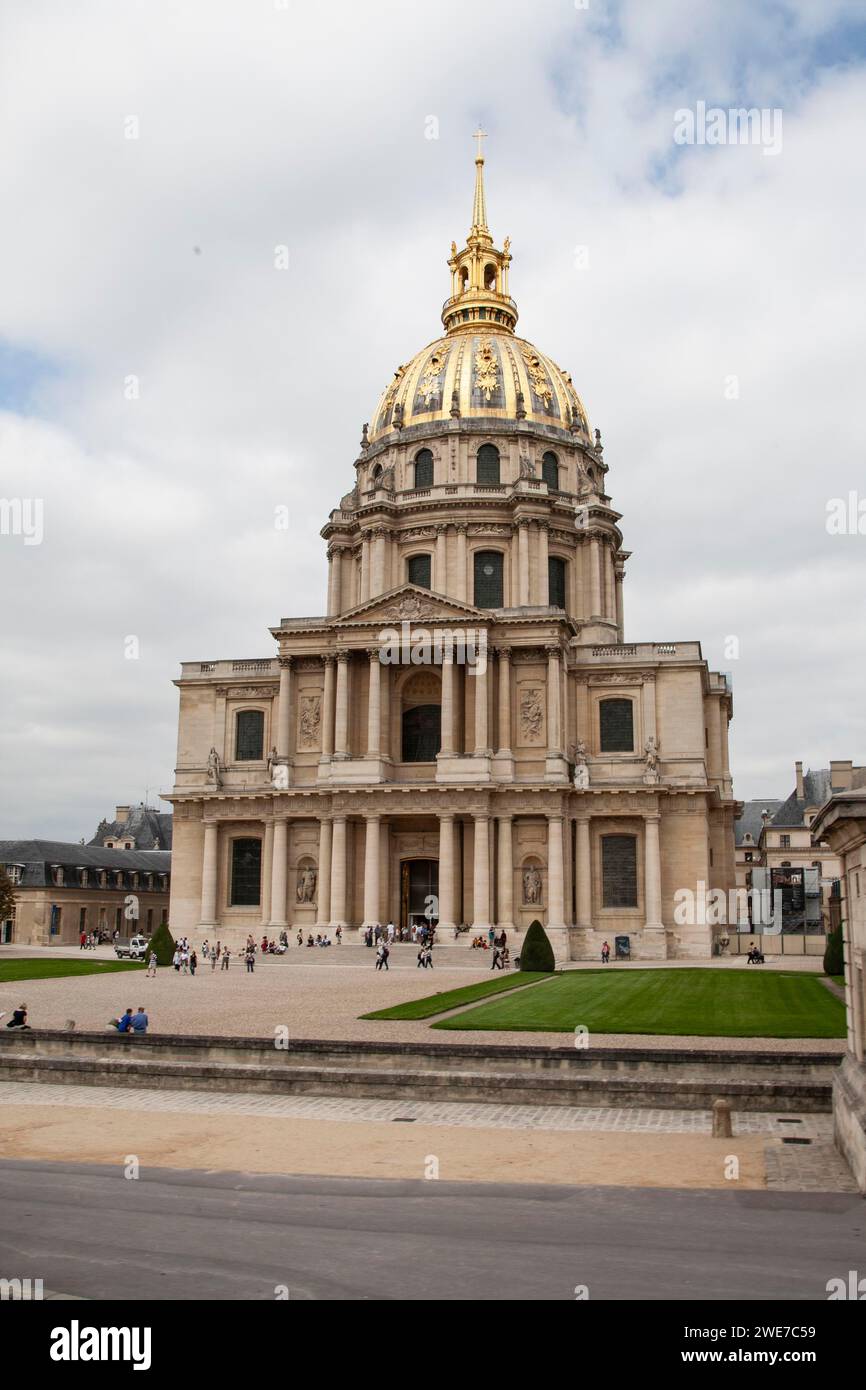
(503, 653)
(554, 815)
(446, 816)
(441, 528)
(370, 816)
(462, 527)
(505, 816)
(342, 655)
(374, 653)
(480, 815)
(328, 658)
(553, 649)
(654, 816)
(523, 521)
(284, 662)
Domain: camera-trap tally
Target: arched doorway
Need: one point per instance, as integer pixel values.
(419, 883)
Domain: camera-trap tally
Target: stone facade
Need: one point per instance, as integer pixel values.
(842, 824)
(466, 716)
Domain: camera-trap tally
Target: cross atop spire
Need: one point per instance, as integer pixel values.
(479, 207)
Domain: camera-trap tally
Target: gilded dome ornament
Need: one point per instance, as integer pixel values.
(486, 369)
(430, 384)
(541, 387)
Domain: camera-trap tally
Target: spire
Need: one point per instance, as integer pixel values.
(479, 273)
(479, 208)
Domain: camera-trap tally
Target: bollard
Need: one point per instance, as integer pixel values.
(722, 1119)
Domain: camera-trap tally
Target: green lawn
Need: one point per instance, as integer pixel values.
(703, 1003)
(37, 968)
(452, 998)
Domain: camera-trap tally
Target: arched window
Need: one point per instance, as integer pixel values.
(488, 464)
(246, 873)
(490, 277)
(488, 579)
(424, 468)
(249, 735)
(419, 570)
(616, 726)
(556, 572)
(550, 470)
(422, 733)
(376, 474)
(619, 871)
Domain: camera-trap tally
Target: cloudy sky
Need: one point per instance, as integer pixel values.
(153, 155)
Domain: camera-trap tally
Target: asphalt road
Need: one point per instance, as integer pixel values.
(88, 1232)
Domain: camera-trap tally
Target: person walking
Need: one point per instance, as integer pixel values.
(339, 935)
(193, 962)
(250, 960)
(605, 953)
(205, 950)
(151, 966)
(175, 960)
(226, 955)
(385, 954)
(496, 963)
(82, 946)
(213, 960)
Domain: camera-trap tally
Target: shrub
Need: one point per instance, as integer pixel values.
(834, 960)
(162, 942)
(536, 952)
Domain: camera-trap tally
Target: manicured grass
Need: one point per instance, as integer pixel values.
(39, 969)
(703, 1003)
(452, 998)
(837, 980)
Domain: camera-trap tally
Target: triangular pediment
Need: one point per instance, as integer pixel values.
(410, 603)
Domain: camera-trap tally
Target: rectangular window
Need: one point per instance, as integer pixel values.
(619, 870)
(246, 873)
(150, 921)
(785, 841)
(488, 579)
(616, 726)
(250, 738)
(419, 570)
(556, 581)
(118, 918)
(82, 919)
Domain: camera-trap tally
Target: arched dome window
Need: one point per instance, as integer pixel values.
(376, 474)
(550, 470)
(424, 468)
(488, 464)
(418, 570)
(490, 277)
(488, 579)
(421, 733)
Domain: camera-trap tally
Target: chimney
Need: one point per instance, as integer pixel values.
(801, 790)
(765, 817)
(841, 775)
(121, 814)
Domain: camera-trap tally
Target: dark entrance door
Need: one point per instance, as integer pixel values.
(419, 883)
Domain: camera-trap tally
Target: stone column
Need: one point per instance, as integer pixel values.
(554, 730)
(653, 874)
(365, 567)
(209, 875)
(555, 877)
(374, 706)
(335, 579)
(461, 560)
(594, 578)
(481, 873)
(620, 613)
(482, 737)
(341, 715)
(523, 560)
(446, 873)
(267, 872)
(609, 596)
(372, 850)
(279, 872)
(284, 708)
(543, 592)
(505, 914)
(648, 704)
(440, 566)
(449, 703)
(378, 580)
(323, 878)
(584, 874)
(338, 872)
(328, 711)
(504, 654)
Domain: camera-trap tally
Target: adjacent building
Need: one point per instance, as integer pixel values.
(63, 889)
(135, 827)
(464, 734)
(841, 823)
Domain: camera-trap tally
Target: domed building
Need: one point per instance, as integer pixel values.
(465, 735)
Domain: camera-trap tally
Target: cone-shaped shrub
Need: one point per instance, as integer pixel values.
(834, 960)
(162, 942)
(536, 953)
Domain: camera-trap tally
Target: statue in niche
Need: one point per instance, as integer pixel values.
(527, 467)
(306, 889)
(651, 751)
(214, 771)
(532, 885)
(310, 719)
(531, 714)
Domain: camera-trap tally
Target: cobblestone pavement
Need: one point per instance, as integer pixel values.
(818, 1167)
(553, 1117)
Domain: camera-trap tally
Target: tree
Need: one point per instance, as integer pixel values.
(162, 942)
(7, 896)
(834, 960)
(536, 953)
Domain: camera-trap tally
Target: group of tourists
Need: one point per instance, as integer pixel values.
(184, 960)
(425, 958)
(420, 934)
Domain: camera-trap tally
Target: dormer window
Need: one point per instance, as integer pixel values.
(57, 875)
(13, 873)
(82, 878)
(103, 878)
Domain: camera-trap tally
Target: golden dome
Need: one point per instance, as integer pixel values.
(479, 371)
(482, 374)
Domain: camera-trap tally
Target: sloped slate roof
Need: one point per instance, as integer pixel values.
(149, 829)
(38, 856)
(816, 790)
(750, 821)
